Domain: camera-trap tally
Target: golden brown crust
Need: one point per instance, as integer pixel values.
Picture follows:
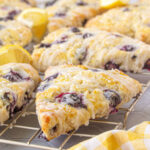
(13, 32)
(91, 47)
(71, 13)
(17, 83)
(71, 95)
(131, 20)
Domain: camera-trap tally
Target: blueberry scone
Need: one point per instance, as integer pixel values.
(133, 21)
(71, 95)
(13, 32)
(69, 13)
(28, 2)
(17, 82)
(141, 2)
(19, 2)
(91, 47)
(9, 9)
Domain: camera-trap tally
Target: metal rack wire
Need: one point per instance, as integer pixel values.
(37, 130)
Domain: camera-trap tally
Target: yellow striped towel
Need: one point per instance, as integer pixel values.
(136, 138)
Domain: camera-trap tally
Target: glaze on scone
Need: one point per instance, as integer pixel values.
(13, 32)
(71, 95)
(9, 9)
(69, 13)
(133, 21)
(28, 2)
(141, 2)
(17, 83)
(95, 48)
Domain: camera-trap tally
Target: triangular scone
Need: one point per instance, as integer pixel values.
(17, 83)
(91, 47)
(71, 95)
(131, 20)
(14, 32)
(9, 9)
(32, 3)
(11, 31)
(68, 13)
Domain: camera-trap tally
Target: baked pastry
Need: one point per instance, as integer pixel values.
(18, 2)
(71, 95)
(91, 47)
(9, 9)
(17, 82)
(69, 13)
(46, 3)
(140, 2)
(131, 20)
(28, 2)
(13, 32)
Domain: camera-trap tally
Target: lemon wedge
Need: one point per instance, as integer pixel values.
(14, 54)
(36, 19)
(107, 4)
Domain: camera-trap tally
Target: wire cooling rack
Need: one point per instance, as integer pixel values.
(35, 130)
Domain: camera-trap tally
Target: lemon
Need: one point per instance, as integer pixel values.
(112, 3)
(14, 54)
(36, 19)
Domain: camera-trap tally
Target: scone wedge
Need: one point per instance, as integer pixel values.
(71, 95)
(17, 83)
(9, 9)
(132, 20)
(91, 47)
(70, 13)
(14, 32)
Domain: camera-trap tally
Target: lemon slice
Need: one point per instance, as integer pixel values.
(14, 54)
(107, 4)
(36, 19)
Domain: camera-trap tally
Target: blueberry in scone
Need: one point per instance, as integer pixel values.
(51, 2)
(69, 13)
(91, 47)
(17, 83)
(19, 2)
(9, 9)
(133, 21)
(29, 2)
(13, 32)
(71, 95)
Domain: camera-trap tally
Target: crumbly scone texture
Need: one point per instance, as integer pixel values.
(9, 9)
(131, 20)
(17, 83)
(69, 13)
(32, 3)
(141, 2)
(91, 47)
(71, 95)
(13, 32)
